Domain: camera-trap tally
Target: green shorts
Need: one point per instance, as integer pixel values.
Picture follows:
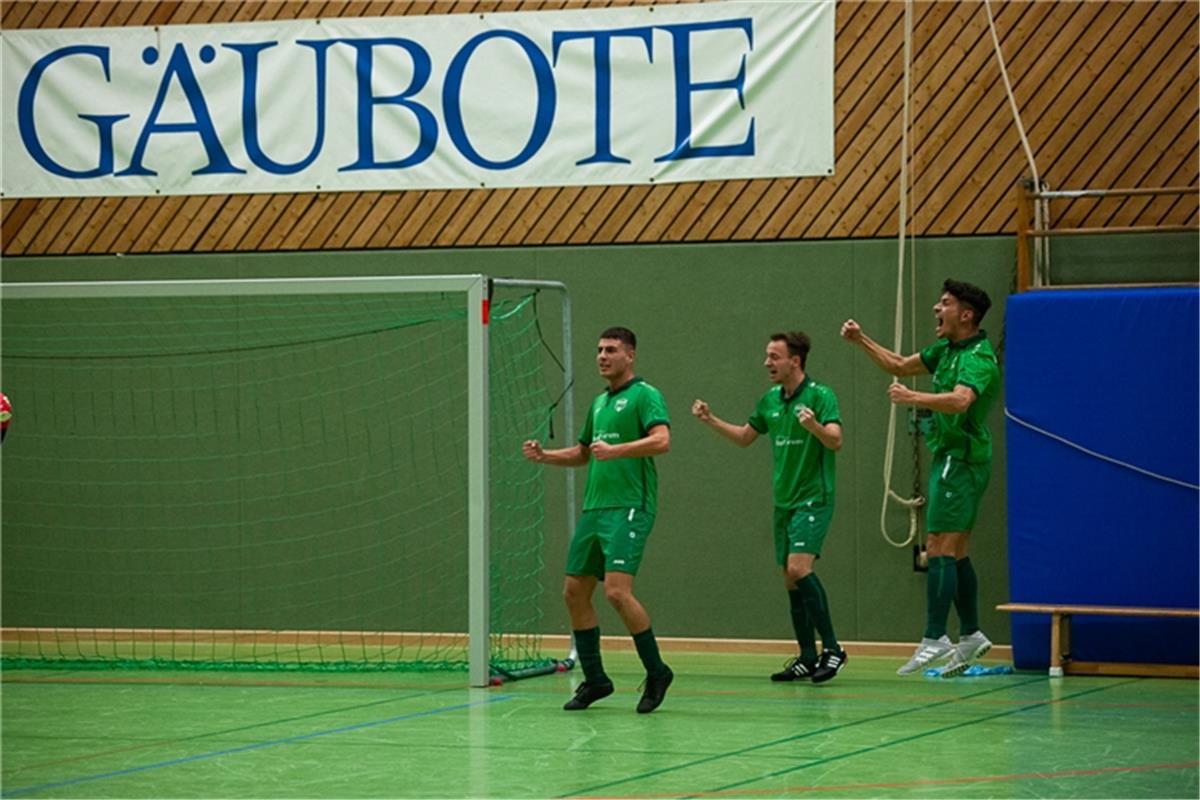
(609, 540)
(955, 491)
(801, 530)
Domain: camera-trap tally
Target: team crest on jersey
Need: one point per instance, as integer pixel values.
(621, 403)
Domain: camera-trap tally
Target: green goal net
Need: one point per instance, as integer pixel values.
(273, 480)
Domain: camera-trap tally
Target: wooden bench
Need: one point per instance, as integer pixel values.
(1060, 639)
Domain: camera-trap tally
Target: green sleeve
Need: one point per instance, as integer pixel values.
(976, 370)
(585, 434)
(758, 420)
(653, 410)
(932, 354)
(828, 410)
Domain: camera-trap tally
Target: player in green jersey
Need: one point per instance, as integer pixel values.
(626, 426)
(802, 420)
(966, 379)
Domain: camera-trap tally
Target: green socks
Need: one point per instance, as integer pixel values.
(587, 645)
(803, 627)
(647, 650)
(941, 586)
(966, 599)
(817, 604)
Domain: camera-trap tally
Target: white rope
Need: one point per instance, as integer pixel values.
(1040, 212)
(1100, 456)
(912, 504)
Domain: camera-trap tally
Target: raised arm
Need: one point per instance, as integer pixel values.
(741, 435)
(576, 456)
(656, 442)
(887, 360)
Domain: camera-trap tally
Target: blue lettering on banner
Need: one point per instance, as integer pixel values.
(179, 74)
(422, 69)
(684, 87)
(546, 100)
(602, 63)
(104, 122)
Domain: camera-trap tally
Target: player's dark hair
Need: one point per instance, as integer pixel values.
(623, 335)
(970, 294)
(798, 344)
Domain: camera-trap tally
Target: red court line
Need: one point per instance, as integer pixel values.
(851, 787)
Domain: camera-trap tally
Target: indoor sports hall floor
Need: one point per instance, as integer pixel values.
(724, 731)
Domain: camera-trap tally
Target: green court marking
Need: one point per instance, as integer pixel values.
(239, 729)
(797, 737)
(913, 738)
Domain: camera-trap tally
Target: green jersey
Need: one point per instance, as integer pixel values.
(972, 363)
(624, 414)
(804, 468)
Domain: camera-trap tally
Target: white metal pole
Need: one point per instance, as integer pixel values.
(478, 499)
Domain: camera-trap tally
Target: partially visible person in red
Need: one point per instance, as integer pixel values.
(5, 415)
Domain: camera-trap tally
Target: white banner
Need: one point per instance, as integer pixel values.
(698, 91)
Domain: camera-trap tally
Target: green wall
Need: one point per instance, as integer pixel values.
(702, 314)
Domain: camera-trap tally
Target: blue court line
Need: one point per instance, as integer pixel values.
(248, 747)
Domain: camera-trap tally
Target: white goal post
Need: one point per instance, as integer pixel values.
(477, 290)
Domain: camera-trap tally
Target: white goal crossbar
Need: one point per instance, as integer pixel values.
(477, 289)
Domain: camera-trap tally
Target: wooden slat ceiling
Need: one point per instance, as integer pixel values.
(1107, 93)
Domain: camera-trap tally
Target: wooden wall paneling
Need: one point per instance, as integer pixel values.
(77, 15)
(494, 201)
(1134, 161)
(234, 219)
(382, 220)
(289, 219)
(22, 236)
(862, 80)
(162, 13)
(551, 217)
(994, 146)
(12, 14)
(518, 229)
(949, 92)
(162, 213)
(976, 126)
(869, 130)
(593, 221)
(649, 207)
(497, 232)
(44, 237)
(101, 15)
(1113, 110)
(689, 213)
(574, 214)
(746, 197)
(620, 212)
(437, 218)
(1082, 91)
(715, 210)
(15, 214)
(122, 13)
(68, 241)
(334, 236)
(257, 228)
(207, 235)
(36, 12)
(750, 196)
(1170, 168)
(1044, 88)
(539, 204)
(1124, 151)
(408, 217)
(672, 204)
(324, 216)
(132, 226)
(752, 222)
(98, 220)
(184, 228)
(56, 14)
